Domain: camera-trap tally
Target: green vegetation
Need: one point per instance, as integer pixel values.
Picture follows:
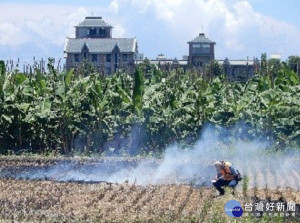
(245, 185)
(69, 112)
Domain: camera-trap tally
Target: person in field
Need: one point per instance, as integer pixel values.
(227, 176)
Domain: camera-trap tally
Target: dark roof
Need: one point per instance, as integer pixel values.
(201, 39)
(125, 45)
(93, 22)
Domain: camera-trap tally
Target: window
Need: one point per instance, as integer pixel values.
(92, 32)
(201, 48)
(196, 48)
(108, 58)
(102, 32)
(125, 57)
(94, 57)
(108, 70)
(205, 48)
(76, 57)
(199, 64)
(234, 72)
(116, 58)
(85, 56)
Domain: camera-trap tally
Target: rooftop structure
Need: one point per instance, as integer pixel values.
(201, 39)
(201, 51)
(93, 22)
(124, 45)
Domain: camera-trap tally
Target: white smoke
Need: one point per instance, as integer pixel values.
(252, 158)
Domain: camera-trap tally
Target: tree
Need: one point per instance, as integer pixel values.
(214, 69)
(293, 63)
(67, 113)
(147, 68)
(274, 66)
(138, 90)
(2, 67)
(263, 64)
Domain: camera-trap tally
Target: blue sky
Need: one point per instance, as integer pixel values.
(241, 28)
(282, 10)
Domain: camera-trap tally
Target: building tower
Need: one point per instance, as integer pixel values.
(201, 51)
(94, 43)
(93, 27)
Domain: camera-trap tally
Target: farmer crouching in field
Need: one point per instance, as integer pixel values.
(227, 176)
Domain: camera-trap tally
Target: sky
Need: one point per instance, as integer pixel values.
(240, 28)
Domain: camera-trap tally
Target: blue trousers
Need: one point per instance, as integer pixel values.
(221, 182)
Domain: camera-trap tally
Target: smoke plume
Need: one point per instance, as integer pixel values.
(253, 158)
